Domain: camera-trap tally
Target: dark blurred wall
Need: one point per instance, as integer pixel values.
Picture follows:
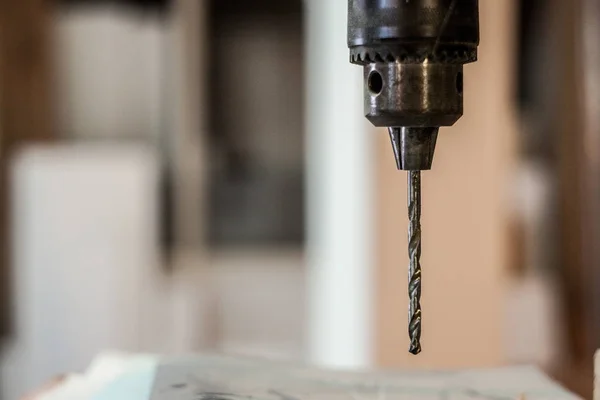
(160, 5)
(256, 124)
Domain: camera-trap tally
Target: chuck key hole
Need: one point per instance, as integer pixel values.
(459, 83)
(375, 83)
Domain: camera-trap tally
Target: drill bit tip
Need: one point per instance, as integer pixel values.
(415, 349)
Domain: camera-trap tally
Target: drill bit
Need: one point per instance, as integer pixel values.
(414, 253)
(413, 150)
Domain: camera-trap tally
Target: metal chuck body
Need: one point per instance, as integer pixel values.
(413, 53)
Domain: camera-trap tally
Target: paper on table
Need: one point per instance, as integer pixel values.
(222, 378)
(122, 377)
(106, 369)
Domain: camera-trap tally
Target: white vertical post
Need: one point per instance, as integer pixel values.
(339, 176)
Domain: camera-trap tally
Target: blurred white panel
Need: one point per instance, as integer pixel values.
(534, 300)
(85, 248)
(193, 313)
(533, 303)
(110, 73)
(261, 303)
(339, 185)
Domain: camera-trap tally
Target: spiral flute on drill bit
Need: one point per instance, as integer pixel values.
(414, 269)
(412, 54)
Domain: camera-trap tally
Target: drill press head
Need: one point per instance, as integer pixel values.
(413, 52)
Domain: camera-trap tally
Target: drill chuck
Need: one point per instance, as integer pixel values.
(413, 52)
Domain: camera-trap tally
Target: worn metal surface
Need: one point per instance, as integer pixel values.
(415, 95)
(413, 53)
(413, 31)
(413, 147)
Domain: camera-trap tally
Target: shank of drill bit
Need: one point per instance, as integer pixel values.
(414, 253)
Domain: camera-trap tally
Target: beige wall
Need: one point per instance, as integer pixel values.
(465, 221)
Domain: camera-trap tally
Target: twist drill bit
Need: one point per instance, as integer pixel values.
(414, 253)
(413, 150)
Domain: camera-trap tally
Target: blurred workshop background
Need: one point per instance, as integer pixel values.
(196, 175)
